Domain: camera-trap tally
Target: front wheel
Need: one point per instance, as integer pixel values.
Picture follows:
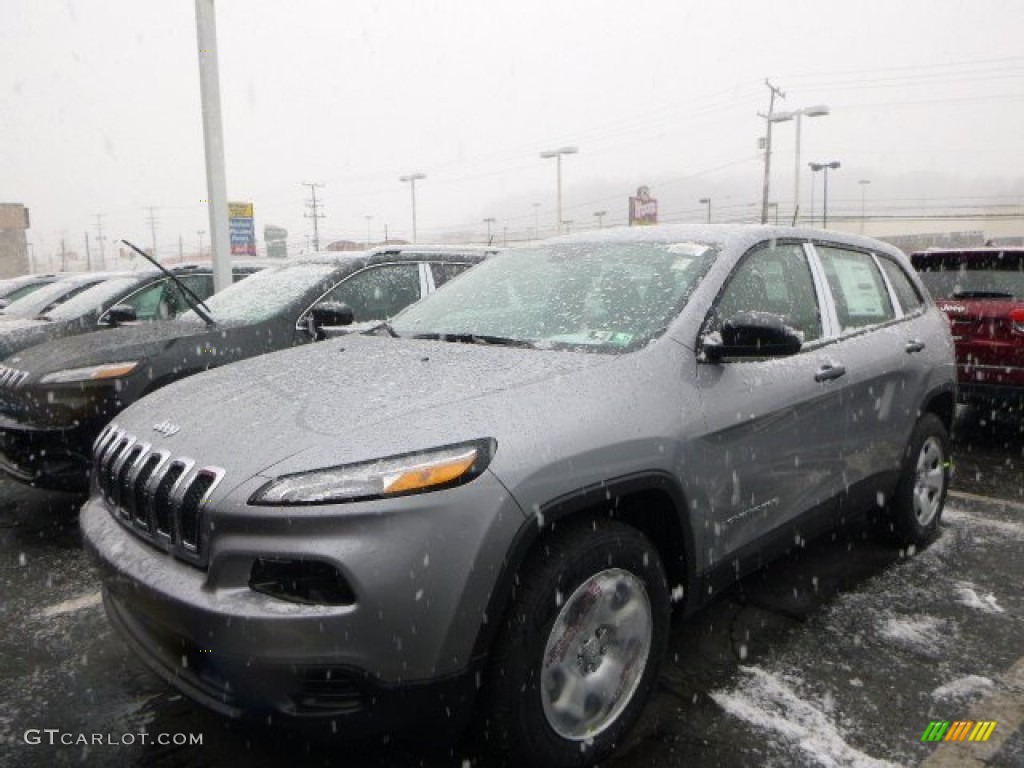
(581, 646)
(916, 508)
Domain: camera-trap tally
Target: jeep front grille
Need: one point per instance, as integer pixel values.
(12, 378)
(157, 496)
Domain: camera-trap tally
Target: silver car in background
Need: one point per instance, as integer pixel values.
(489, 506)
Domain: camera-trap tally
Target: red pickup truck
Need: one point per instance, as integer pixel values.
(982, 292)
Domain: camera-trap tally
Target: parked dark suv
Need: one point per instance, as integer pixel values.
(55, 397)
(491, 503)
(982, 292)
(147, 294)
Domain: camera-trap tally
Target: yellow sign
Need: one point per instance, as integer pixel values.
(240, 210)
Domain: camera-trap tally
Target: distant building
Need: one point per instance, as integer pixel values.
(14, 222)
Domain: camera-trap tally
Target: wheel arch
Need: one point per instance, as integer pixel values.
(651, 502)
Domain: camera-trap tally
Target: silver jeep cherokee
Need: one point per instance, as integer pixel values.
(489, 506)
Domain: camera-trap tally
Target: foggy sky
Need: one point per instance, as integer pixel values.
(99, 109)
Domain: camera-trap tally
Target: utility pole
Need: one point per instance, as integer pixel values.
(63, 256)
(88, 254)
(488, 221)
(768, 147)
(316, 215)
(152, 229)
(101, 239)
(181, 249)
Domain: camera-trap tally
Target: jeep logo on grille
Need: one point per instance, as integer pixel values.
(167, 428)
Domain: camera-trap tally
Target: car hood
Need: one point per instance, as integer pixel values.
(346, 400)
(113, 345)
(22, 334)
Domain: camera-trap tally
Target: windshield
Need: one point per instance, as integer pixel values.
(264, 294)
(996, 275)
(92, 299)
(46, 297)
(597, 297)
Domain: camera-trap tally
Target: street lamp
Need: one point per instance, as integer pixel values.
(863, 186)
(488, 221)
(200, 232)
(706, 201)
(600, 218)
(815, 167)
(782, 117)
(412, 178)
(776, 207)
(557, 154)
(368, 220)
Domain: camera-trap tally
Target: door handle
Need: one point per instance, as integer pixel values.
(830, 371)
(914, 345)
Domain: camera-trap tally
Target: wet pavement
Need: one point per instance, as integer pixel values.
(839, 654)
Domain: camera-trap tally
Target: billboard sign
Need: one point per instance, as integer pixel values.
(243, 229)
(643, 209)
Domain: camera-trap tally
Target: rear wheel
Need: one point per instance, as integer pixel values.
(580, 648)
(916, 508)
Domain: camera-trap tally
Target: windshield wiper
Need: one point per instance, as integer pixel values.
(477, 338)
(981, 295)
(194, 301)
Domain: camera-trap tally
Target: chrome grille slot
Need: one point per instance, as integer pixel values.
(162, 511)
(191, 504)
(158, 497)
(122, 490)
(110, 466)
(142, 509)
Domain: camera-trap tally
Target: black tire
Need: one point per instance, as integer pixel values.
(612, 559)
(913, 514)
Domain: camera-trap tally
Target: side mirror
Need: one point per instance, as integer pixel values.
(329, 314)
(753, 335)
(120, 314)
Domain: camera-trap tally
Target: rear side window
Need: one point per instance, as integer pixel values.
(857, 287)
(906, 292)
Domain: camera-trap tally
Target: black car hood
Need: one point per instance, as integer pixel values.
(114, 345)
(17, 335)
(348, 398)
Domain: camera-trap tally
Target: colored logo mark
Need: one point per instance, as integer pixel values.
(958, 730)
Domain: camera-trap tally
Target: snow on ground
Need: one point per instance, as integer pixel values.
(923, 634)
(72, 605)
(966, 595)
(967, 687)
(769, 702)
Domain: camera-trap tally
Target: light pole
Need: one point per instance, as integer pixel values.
(706, 201)
(536, 221)
(776, 207)
(412, 178)
(201, 232)
(600, 218)
(557, 154)
(863, 186)
(781, 117)
(815, 167)
(488, 221)
(368, 220)
(568, 226)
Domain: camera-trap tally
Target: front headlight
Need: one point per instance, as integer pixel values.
(402, 475)
(92, 373)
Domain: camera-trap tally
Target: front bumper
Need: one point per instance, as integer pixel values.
(47, 457)
(399, 657)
